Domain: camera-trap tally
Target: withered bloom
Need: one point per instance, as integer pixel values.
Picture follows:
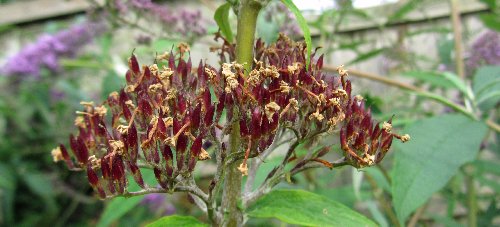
(169, 110)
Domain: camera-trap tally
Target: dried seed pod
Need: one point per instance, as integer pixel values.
(136, 173)
(134, 65)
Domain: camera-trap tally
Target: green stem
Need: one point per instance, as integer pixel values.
(247, 21)
(471, 201)
(232, 181)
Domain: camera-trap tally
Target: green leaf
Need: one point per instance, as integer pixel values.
(491, 20)
(376, 213)
(120, 206)
(305, 208)
(486, 84)
(303, 25)
(486, 166)
(402, 11)
(365, 56)
(433, 78)
(162, 45)
(221, 16)
(439, 146)
(459, 84)
(111, 83)
(491, 3)
(176, 220)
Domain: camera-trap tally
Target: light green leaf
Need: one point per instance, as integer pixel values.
(459, 84)
(433, 78)
(120, 206)
(379, 177)
(439, 146)
(305, 208)
(365, 56)
(486, 84)
(376, 213)
(176, 220)
(402, 11)
(303, 25)
(111, 83)
(162, 45)
(221, 16)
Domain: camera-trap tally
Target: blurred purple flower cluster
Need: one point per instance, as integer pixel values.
(280, 14)
(184, 21)
(158, 204)
(485, 50)
(49, 48)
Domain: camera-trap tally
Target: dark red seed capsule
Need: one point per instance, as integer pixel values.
(167, 153)
(209, 116)
(105, 170)
(181, 144)
(133, 64)
(92, 176)
(118, 169)
(243, 127)
(66, 156)
(146, 73)
(159, 178)
(196, 147)
(83, 154)
(207, 98)
(196, 117)
(181, 158)
(255, 123)
(129, 77)
(136, 172)
(319, 63)
(343, 139)
(192, 163)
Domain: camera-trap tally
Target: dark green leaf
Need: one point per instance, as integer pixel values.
(486, 166)
(439, 146)
(491, 20)
(303, 25)
(491, 3)
(176, 221)
(221, 16)
(305, 208)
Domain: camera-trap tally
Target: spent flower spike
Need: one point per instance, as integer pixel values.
(165, 115)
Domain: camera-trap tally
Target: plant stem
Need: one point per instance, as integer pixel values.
(457, 34)
(232, 181)
(247, 21)
(471, 201)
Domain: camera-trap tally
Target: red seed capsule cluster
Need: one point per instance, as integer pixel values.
(168, 111)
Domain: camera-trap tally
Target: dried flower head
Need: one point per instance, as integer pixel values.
(165, 115)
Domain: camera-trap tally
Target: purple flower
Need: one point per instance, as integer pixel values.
(184, 21)
(485, 50)
(49, 48)
(157, 203)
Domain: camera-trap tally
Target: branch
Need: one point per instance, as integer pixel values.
(189, 188)
(417, 90)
